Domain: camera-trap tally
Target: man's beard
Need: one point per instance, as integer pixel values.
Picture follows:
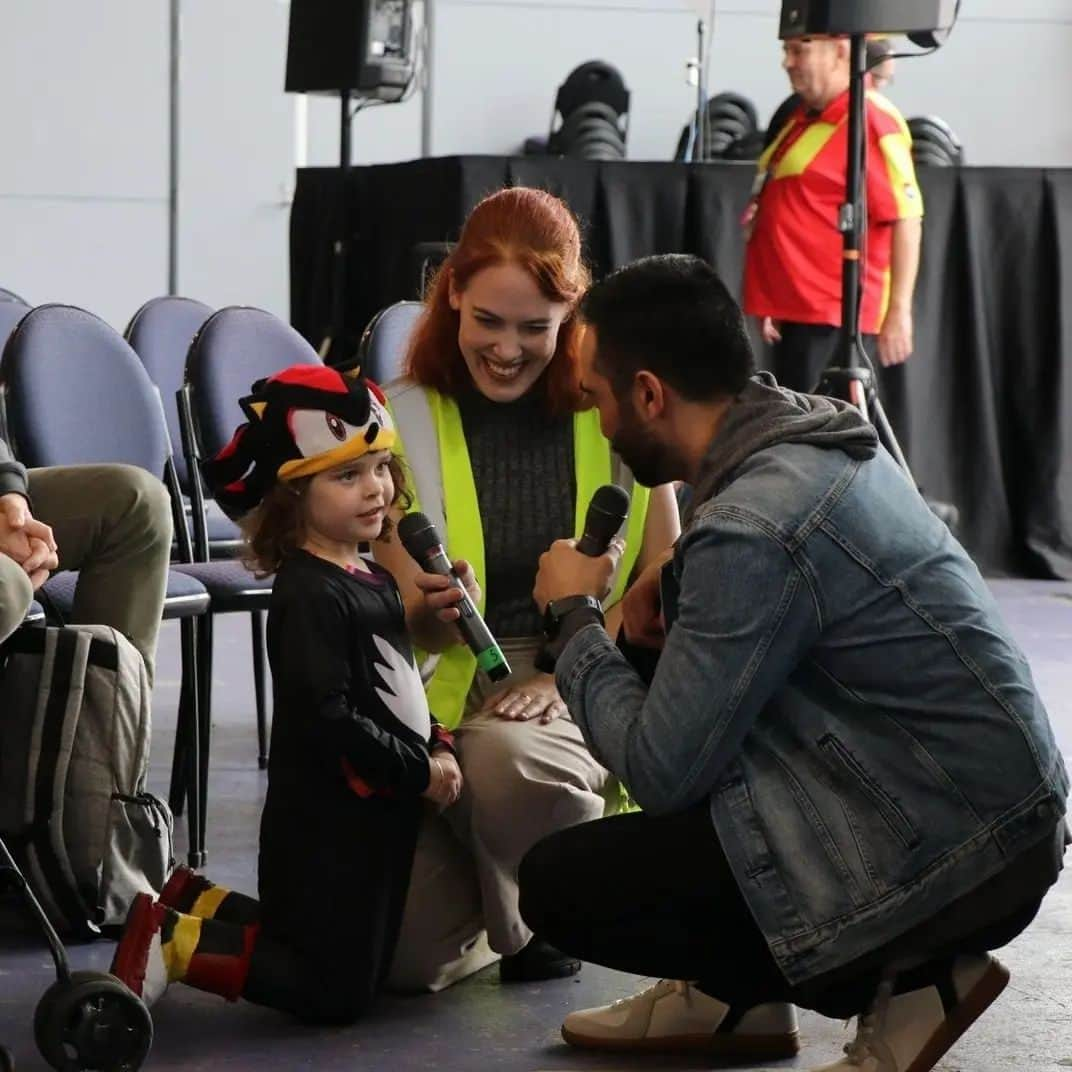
(650, 462)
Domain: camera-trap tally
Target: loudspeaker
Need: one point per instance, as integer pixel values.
(360, 46)
(837, 17)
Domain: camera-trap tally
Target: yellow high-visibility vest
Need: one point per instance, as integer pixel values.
(431, 441)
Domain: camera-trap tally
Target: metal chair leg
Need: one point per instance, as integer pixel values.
(187, 698)
(257, 628)
(204, 646)
(194, 822)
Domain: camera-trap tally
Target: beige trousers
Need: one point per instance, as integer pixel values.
(112, 523)
(523, 781)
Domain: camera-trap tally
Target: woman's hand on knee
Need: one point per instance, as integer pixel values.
(536, 698)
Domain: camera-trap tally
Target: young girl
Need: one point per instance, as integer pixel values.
(354, 748)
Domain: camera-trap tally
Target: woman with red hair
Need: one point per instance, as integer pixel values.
(504, 453)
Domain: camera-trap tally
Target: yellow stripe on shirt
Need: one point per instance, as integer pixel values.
(804, 151)
(897, 153)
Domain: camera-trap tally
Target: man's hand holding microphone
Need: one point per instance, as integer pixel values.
(573, 574)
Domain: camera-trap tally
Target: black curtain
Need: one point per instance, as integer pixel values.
(983, 409)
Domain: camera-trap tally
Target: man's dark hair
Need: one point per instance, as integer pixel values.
(673, 316)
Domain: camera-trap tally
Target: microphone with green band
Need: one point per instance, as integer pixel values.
(421, 540)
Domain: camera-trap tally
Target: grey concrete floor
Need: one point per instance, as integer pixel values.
(479, 1025)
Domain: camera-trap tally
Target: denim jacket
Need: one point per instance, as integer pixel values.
(836, 681)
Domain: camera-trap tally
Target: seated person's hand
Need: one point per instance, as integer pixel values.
(441, 597)
(642, 613)
(536, 698)
(41, 562)
(445, 779)
(25, 539)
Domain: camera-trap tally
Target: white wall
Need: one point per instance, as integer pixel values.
(84, 120)
(83, 179)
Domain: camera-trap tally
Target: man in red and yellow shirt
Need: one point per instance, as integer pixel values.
(794, 260)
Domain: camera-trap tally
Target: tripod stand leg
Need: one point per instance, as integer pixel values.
(885, 432)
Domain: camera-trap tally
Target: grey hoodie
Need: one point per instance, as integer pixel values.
(765, 415)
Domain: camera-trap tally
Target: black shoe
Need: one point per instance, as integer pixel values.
(539, 960)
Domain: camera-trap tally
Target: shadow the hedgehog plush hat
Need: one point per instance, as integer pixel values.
(302, 420)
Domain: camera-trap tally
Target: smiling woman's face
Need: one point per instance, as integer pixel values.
(507, 330)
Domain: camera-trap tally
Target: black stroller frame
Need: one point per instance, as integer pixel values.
(86, 1019)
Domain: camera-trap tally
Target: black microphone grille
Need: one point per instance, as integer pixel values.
(612, 500)
(606, 512)
(418, 534)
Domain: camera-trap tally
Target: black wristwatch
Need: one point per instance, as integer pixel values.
(554, 615)
(557, 609)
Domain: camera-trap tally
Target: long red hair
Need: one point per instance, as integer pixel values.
(534, 230)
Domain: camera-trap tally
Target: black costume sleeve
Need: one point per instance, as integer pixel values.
(316, 642)
(12, 473)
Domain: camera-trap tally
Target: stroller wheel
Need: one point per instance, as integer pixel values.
(7, 1062)
(92, 1021)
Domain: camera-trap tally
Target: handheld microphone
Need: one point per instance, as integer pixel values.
(606, 512)
(421, 540)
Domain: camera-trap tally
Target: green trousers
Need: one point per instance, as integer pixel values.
(113, 524)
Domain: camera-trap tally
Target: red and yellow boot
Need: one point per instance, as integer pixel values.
(192, 894)
(160, 946)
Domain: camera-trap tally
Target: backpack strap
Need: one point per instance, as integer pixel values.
(55, 720)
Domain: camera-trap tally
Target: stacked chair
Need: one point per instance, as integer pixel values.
(933, 142)
(591, 114)
(732, 131)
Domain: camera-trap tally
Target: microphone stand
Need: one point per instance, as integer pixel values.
(849, 375)
(696, 150)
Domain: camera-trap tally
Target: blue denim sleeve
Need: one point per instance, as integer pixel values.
(746, 618)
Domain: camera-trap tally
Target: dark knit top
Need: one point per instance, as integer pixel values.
(526, 487)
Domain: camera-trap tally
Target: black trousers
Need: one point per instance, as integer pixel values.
(807, 350)
(799, 360)
(655, 896)
(332, 900)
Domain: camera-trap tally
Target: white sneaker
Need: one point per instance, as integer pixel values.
(911, 1032)
(674, 1017)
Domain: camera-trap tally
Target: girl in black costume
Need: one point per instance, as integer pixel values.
(354, 748)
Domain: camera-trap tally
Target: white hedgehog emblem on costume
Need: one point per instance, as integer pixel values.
(403, 693)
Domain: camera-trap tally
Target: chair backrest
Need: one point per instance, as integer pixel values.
(10, 296)
(160, 333)
(11, 312)
(934, 143)
(592, 81)
(76, 393)
(382, 351)
(236, 347)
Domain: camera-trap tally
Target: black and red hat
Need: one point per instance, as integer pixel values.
(302, 420)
